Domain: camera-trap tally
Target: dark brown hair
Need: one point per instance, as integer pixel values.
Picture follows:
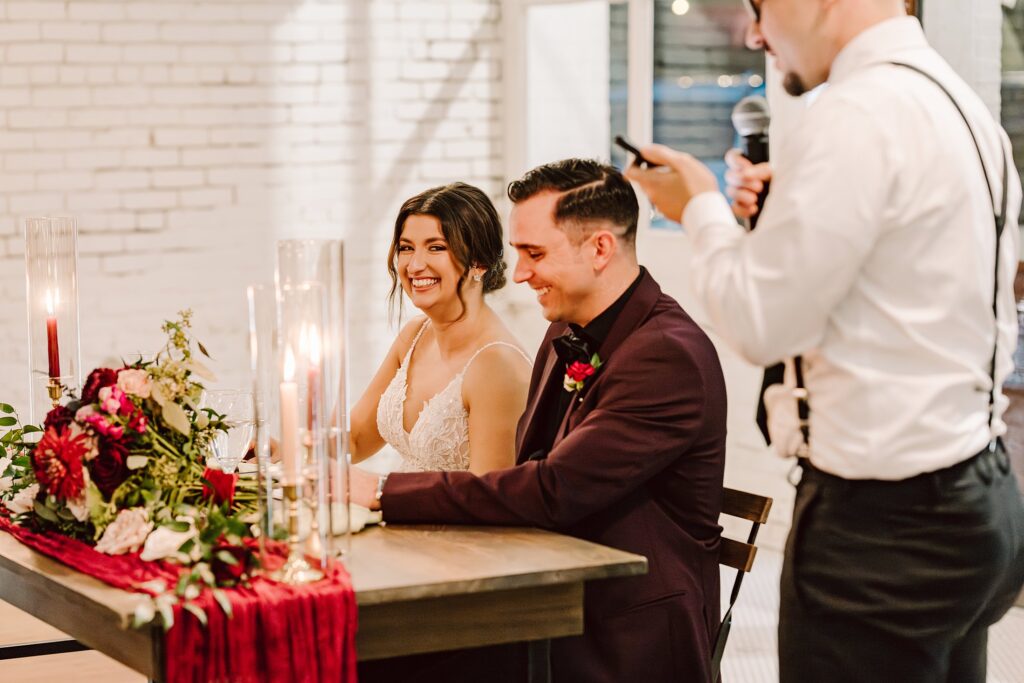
(469, 224)
(592, 192)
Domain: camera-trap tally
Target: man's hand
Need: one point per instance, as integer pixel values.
(679, 179)
(745, 181)
(362, 487)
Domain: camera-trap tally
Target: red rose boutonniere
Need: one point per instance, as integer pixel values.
(577, 372)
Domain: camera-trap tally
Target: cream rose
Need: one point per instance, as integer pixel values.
(5, 482)
(79, 507)
(127, 533)
(135, 383)
(164, 541)
(24, 500)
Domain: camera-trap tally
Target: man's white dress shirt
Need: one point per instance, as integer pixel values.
(874, 259)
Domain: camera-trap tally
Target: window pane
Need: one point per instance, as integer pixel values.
(701, 70)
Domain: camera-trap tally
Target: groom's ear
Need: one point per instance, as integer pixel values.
(606, 245)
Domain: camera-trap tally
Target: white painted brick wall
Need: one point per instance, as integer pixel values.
(188, 136)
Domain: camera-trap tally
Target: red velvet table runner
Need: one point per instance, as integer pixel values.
(277, 632)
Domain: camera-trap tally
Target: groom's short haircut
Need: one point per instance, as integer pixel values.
(592, 193)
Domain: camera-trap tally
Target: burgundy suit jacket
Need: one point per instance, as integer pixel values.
(637, 465)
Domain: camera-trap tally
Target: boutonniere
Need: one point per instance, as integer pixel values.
(577, 372)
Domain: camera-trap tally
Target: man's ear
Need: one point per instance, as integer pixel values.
(606, 245)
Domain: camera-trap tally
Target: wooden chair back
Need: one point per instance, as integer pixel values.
(738, 555)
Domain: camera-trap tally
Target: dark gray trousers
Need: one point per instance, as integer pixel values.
(899, 581)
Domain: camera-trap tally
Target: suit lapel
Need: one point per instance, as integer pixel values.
(539, 393)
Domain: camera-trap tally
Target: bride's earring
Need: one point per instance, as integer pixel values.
(478, 277)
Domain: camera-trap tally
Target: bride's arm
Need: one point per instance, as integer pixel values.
(495, 389)
(364, 438)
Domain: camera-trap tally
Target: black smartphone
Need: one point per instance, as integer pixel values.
(638, 157)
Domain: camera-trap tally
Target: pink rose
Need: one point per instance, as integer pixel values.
(110, 400)
(135, 383)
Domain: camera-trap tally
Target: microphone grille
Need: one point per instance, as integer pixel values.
(750, 115)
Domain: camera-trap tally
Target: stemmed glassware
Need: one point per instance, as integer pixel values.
(237, 408)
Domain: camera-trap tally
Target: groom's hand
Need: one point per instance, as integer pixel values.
(363, 488)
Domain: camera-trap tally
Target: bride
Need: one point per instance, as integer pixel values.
(454, 383)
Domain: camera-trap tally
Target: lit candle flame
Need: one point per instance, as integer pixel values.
(52, 299)
(289, 364)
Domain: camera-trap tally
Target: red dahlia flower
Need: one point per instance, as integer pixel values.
(57, 461)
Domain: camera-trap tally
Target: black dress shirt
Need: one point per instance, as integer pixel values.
(592, 335)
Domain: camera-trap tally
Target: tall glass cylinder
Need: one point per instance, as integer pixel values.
(323, 262)
(262, 354)
(303, 446)
(51, 287)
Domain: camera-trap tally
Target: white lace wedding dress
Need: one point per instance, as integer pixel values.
(439, 441)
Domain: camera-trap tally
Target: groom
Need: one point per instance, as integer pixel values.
(623, 438)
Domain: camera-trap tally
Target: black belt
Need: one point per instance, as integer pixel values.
(988, 462)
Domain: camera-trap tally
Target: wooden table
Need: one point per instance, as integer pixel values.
(419, 589)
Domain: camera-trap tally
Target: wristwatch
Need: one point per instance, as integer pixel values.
(380, 487)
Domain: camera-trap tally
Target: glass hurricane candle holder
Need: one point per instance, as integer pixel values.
(323, 262)
(303, 442)
(51, 288)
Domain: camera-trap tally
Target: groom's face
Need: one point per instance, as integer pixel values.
(559, 271)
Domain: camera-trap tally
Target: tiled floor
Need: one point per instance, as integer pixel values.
(750, 655)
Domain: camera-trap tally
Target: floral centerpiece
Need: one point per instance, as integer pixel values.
(123, 467)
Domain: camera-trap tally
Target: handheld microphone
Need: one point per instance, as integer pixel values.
(750, 118)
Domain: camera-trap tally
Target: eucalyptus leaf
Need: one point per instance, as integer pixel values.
(136, 462)
(166, 615)
(175, 416)
(144, 614)
(8, 421)
(6, 408)
(157, 392)
(196, 611)
(31, 429)
(227, 558)
(45, 512)
(222, 599)
(199, 369)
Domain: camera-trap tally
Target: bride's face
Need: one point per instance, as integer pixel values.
(429, 274)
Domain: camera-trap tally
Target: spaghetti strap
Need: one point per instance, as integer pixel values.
(408, 354)
(495, 343)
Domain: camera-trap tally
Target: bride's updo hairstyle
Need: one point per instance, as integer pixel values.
(469, 224)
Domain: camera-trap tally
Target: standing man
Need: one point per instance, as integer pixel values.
(622, 442)
(876, 260)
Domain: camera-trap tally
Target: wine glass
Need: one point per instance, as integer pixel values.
(237, 408)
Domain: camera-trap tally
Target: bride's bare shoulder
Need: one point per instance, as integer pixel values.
(406, 336)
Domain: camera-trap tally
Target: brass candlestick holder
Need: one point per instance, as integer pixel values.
(55, 390)
(296, 570)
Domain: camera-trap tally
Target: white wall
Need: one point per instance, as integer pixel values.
(187, 136)
(567, 108)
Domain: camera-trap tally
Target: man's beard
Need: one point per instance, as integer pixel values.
(793, 85)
